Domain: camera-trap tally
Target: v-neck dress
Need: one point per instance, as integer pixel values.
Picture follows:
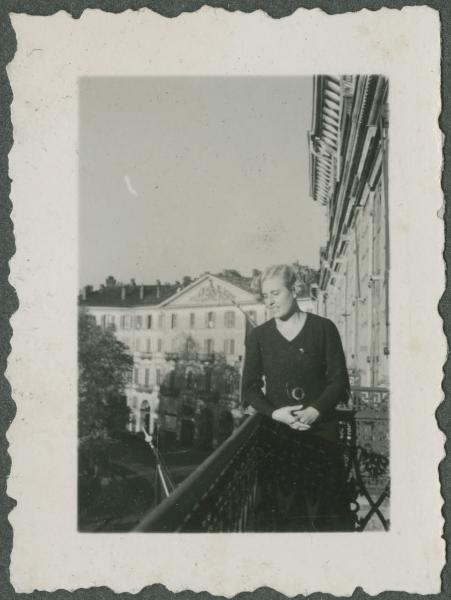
(311, 365)
(301, 475)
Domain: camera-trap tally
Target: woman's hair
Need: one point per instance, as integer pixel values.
(285, 272)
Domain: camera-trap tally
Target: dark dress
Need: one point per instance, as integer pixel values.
(303, 474)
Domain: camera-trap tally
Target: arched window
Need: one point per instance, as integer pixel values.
(144, 416)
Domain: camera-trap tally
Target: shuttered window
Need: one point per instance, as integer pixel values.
(229, 319)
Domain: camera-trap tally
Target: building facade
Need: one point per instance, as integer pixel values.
(159, 324)
(348, 167)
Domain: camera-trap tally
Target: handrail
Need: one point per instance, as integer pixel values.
(223, 493)
(170, 514)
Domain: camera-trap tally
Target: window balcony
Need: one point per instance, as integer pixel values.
(224, 493)
(206, 356)
(198, 356)
(142, 387)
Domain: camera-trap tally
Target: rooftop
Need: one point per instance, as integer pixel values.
(127, 295)
(116, 294)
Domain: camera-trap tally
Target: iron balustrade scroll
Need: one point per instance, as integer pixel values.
(222, 494)
(371, 463)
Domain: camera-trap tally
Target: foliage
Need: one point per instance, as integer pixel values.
(104, 369)
(306, 277)
(189, 373)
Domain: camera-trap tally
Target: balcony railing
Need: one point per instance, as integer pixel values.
(222, 494)
(198, 356)
(143, 387)
(219, 495)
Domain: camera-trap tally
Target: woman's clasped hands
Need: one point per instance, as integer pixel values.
(296, 417)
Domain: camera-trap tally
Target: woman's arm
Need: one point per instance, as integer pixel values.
(252, 388)
(252, 382)
(337, 388)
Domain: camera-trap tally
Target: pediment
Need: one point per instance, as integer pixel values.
(210, 291)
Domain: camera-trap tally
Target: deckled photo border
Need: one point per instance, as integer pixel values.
(8, 299)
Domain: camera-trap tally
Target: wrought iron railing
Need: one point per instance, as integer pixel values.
(219, 495)
(144, 387)
(202, 357)
(371, 408)
(222, 494)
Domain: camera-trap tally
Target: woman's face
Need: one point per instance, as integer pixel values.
(277, 297)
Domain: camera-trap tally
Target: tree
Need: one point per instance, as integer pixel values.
(104, 369)
(306, 277)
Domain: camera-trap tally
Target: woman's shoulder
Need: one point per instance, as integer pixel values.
(321, 322)
(261, 331)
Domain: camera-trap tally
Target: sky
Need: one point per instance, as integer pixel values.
(182, 175)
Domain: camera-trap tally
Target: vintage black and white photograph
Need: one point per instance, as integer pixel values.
(234, 322)
(227, 358)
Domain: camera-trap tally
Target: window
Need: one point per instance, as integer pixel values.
(160, 345)
(149, 321)
(210, 320)
(109, 322)
(137, 345)
(229, 346)
(122, 321)
(138, 322)
(173, 321)
(127, 322)
(192, 320)
(229, 319)
(160, 321)
(136, 376)
(132, 422)
(148, 345)
(146, 377)
(158, 375)
(103, 321)
(209, 346)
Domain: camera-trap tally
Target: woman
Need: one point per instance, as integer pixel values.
(295, 374)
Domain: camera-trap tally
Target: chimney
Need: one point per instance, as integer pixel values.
(158, 288)
(141, 292)
(123, 292)
(86, 291)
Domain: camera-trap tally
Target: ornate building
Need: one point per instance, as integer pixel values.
(160, 324)
(348, 169)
